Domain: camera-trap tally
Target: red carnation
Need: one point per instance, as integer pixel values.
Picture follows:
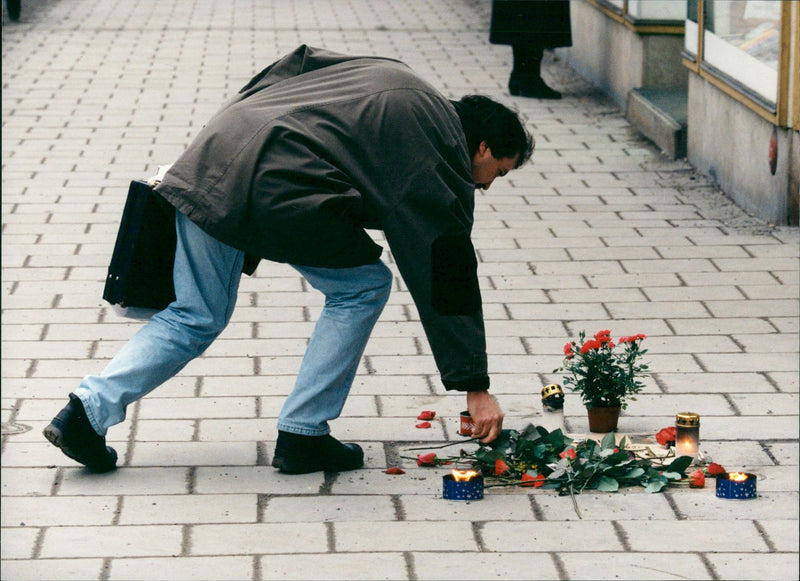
(568, 352)
(666, 436)
(426, 415)
(715, 469)
(427, 459)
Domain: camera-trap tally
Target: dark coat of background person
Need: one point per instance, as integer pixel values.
(542, 24)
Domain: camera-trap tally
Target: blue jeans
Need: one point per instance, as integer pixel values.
(206, 276)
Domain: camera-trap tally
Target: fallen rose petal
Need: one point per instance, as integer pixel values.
(395, 470)
(715, 469)
(500, 467)
(697, 479)
(426, 459)
(423, 425)
(426, 415)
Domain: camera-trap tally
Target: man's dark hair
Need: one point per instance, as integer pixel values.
(485, 119)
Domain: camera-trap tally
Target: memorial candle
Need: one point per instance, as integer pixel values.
(687, 434)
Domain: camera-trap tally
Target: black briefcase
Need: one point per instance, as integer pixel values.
(140, 273)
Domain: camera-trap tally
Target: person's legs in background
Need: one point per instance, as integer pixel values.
(526, 76)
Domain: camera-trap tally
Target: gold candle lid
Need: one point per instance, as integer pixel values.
(551, 389)
(687, 419)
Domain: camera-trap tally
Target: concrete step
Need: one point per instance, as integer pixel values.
(660, 114)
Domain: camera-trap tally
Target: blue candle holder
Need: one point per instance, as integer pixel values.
(453, 489)
(731, 488)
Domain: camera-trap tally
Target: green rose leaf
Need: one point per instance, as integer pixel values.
(655, 485)
(680, 464)
(634, 472)
(609, 441)
(607, 484)
(618, 458)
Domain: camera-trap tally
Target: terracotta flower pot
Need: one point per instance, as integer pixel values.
(603, 419)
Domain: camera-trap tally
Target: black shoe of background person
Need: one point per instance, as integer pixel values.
(71, 431)
(531, 86)
(299, 454)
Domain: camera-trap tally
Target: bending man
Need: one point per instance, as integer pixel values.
(311, 152)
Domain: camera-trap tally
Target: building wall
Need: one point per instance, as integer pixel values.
(731, 144)
(617, 59)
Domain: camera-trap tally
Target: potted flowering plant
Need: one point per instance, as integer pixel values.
(606, 374)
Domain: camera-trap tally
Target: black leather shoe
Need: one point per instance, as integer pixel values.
(71, 431)
(533, 87)
(298, 454)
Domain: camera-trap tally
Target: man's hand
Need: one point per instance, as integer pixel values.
(486, 415)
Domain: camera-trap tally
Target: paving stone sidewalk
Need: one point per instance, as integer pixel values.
(599, 231)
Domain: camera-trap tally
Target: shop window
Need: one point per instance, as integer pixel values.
(656, 9)
(742, 40)
(743, 47)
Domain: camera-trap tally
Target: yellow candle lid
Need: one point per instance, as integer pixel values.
(551, 389)
(687, 419)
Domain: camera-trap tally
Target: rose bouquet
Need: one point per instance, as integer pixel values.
(606, 374)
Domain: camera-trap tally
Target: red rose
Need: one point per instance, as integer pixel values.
(424, 425)
(500, 467)
(569, 453)
(426, 415)
(568, 352)
(715, 469)
(427, 459)
(395, 470)
(535, 481)
(697, 479)
(603, 336)
(590, 345)
(666, 436)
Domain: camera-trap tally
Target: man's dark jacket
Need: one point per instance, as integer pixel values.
(320, 146)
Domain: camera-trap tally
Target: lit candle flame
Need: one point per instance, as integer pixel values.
(737, 476)
(463, 475)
